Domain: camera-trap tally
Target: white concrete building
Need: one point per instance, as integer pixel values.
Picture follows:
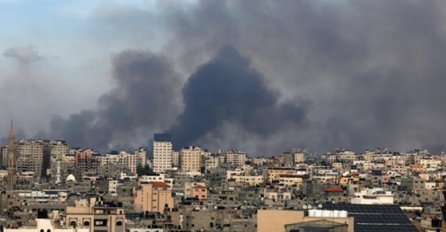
(46, 225)
(372, 196)
(155, 178)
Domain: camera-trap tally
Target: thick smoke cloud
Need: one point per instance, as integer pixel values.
(227, 90)
(142, 102)
(372, 73)
(372, 70)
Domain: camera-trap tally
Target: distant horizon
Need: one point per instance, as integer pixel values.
(214, 151)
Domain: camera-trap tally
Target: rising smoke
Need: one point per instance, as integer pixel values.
(142, 101)
(320, 74)
(226, 90)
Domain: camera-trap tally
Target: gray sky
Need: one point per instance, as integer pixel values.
(261, 76)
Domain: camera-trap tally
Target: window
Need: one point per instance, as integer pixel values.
(100, 222)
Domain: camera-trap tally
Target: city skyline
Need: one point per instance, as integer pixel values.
(222, 115)
(259, 76)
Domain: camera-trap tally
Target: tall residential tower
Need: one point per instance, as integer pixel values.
(162, 153)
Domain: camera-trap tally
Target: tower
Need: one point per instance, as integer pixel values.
(11, 160)
(162, 153)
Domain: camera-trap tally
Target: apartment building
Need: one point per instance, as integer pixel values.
(29, 155)
(236, 158)
(190, 159)
(152, 197)
(162, 153)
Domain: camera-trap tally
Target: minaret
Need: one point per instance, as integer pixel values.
(11, 161)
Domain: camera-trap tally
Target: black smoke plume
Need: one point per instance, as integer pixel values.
(373, 72)
(227, 90)
(143, 102)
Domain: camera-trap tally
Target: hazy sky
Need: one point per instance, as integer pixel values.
(261, 76)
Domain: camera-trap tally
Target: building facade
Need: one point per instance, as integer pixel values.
(190, 159)
(162, 153)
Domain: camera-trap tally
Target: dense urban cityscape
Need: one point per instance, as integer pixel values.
(50, 186)
(222, 116)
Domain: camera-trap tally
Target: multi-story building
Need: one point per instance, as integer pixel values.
(175, 159)
(86, 163)
(299, 157)
(236, 158)
(68, 166)
(243, 178)
(97, 215)
(212, 162)
(29, 155)
(190, 159)
(346, 156)
(4, 156)
(153, 197)
(275, 173)
(196, 190)
(162, 153)
(291, 180)
(141, 154)
(429, 162)
(58, 150)
(124, 160)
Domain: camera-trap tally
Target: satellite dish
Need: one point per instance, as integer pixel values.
(305, 207)
(319, 206)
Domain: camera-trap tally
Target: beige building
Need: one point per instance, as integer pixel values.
(212, 162)
(68, 166)
(346, 155)
(123, 159)
(196, 189)
(29, 155)
(236, 158)
(275, 173)
(190, 159)
(141, 155)
(175, 159)
(153, 197)
(299, 157)
(96, 215)
(243, 178)
(293, 220)
(162, 155)
(291, 180)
